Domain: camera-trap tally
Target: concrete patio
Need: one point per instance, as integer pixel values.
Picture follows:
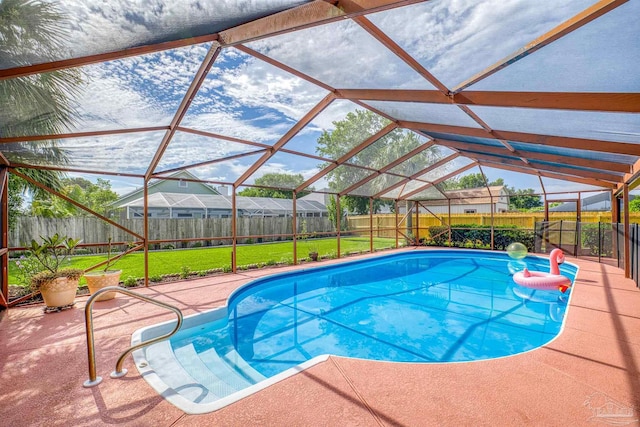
(589, 375)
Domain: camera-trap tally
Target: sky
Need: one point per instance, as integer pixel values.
(246, 98)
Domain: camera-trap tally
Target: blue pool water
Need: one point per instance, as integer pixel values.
(420, 306)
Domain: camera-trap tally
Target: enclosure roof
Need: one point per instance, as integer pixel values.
(220, 202)
(234, 90)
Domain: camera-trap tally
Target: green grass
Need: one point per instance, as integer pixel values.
(201, 259)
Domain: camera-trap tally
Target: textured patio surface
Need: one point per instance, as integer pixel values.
(590, 375)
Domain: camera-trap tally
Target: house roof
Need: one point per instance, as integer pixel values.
(185, 174)
(470, 196)
(201, 201)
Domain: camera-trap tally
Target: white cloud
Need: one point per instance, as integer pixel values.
(97, 27)
(456, 39)
(342, 55)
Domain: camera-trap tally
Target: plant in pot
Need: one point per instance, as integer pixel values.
(57, 284)
(99, 279)
(313, 249)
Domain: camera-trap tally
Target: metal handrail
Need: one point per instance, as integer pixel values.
(88, 317)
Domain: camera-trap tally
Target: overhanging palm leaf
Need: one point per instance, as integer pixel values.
(41, 104)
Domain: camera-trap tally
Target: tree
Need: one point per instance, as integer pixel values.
(634, 205)
(352, 131)
(332, 209)
(279, 182)
(97, 197)
(40, 104)
(473, 180)
(523, 199)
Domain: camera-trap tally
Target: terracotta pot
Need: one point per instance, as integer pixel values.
(59, 292)
(97, 280)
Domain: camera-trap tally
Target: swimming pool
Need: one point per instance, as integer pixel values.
(431, 306)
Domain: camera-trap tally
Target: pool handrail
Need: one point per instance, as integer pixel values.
(88, 317)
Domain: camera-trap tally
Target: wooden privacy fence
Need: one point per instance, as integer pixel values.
(384, 224)
(94, 230)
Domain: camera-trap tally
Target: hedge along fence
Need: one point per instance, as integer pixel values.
(479, 236)
(384, 224)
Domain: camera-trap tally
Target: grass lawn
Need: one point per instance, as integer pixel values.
(202, 259)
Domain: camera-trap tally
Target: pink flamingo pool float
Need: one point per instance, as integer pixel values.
(545, 281)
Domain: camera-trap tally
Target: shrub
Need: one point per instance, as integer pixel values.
(185, 272)
(155, 278)
(168, 247)
(479, 236)
(130, 281)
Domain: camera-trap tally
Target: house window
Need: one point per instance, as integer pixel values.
(183, 184)
(469, 211)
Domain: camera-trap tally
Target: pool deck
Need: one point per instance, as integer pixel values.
(589, 375)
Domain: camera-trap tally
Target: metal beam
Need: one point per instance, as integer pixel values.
(546, 140)
(438, 181)
(102, 57)
(524, 169)
(286, 138)
(222, 137)
(417, 174)
(76, 170)
(284, 67)
(74, 203)
(627, 234)
(582, 18)
(30, 138)
(308, 15)
(197, 81)
(210, 162)
(4, 238)
(400, 53)
(342, 159)
(389, 166)
(532, 155)
(540, 167)
(582, 101)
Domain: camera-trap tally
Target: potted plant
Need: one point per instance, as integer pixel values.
(99, 279)
(57, 285)
(313, 250)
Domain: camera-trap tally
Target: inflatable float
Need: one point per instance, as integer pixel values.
(545, 281)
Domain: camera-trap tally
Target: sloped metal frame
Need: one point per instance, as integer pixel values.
(608, 175)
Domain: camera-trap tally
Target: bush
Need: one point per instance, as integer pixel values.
(185, 272)
(168, 247)
(155, 278)
(130, 282)
(479, 236)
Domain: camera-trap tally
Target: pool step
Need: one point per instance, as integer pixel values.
(217, 378)
(174, 376)
(234, 358)
(225, 371)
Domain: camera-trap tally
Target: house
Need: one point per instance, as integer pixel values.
(187, 199)
(181, 186)
(470, 201)
(597, 203)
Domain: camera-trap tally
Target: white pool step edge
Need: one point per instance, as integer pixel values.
(169, 393)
